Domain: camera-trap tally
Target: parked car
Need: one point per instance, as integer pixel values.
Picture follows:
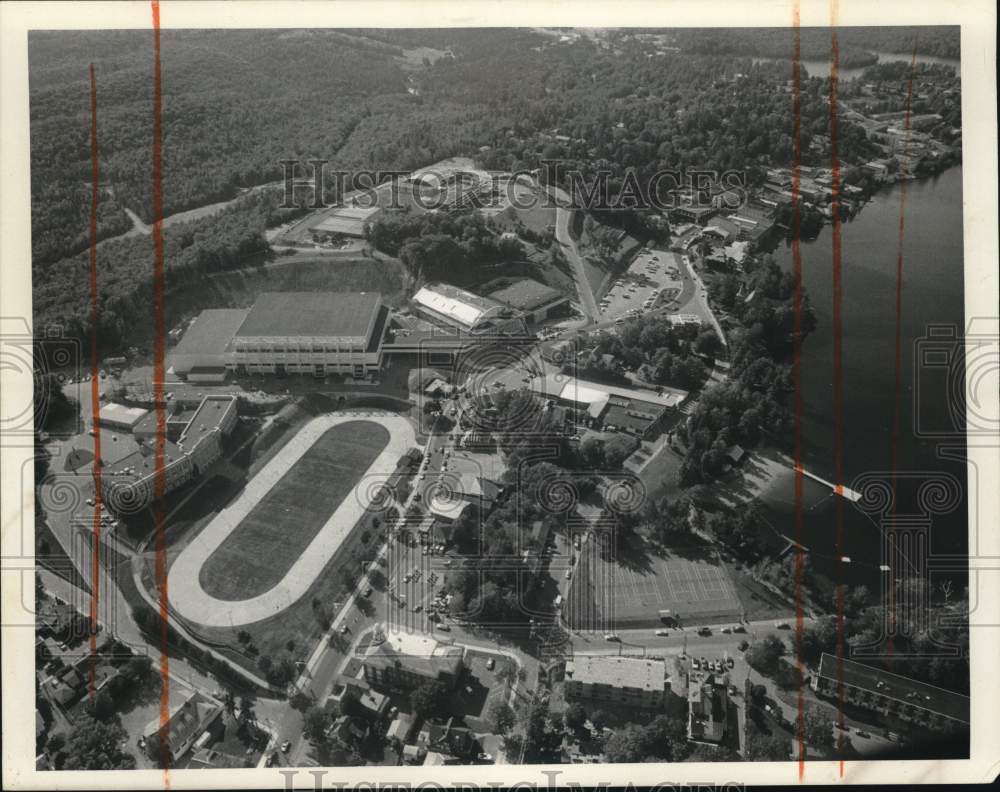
(704, 631)
(727, 630)
(612, 637)
(663, 632)
(490, 664)
(444, 628)
(569, 574)
(286, 746)
(783, 625)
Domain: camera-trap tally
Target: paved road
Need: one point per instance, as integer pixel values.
(564, 216)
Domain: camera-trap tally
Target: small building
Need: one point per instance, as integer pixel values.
(698, 215)
(708, 708)
(629, 681)
(118, 416)
(406, 660)
(186, 722)
(401, 728)
(735, 455)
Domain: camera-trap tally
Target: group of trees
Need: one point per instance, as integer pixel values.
(441, 246)
(752, 401)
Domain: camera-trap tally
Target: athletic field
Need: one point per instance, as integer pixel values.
(608, 595)
(262, 548)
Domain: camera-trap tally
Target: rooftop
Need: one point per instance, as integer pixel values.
(526, 295)
(618, 672)
(456, 304)
(120, 414)
(210, 413)
(903, 689)
(419, 653)
(186, 718)
(211, 331)
(585, 392)
(316, 314)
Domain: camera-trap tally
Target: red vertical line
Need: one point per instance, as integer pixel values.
(797, 369)
(159, 336)
(838, 371)
(95, 390)
(898, 362)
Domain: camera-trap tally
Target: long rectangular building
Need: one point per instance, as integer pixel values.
(891, 694)
(317, 333)
(629, 681)
(448, 306)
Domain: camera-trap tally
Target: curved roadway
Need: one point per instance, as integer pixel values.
(190, 600)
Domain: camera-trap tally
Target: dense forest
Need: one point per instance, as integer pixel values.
(388, 99)
(858, 45)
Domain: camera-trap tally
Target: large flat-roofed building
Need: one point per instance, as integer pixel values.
(891, 694)
(348, 221)
(535, 300)
(129, 482)
(629, 681)
(457, 309)
(312, 332)
(611, 407)
(204, 347)
(317, 333)
(406, 660)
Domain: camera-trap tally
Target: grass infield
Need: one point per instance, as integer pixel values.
(263, 547)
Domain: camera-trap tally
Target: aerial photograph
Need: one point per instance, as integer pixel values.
(498, 396)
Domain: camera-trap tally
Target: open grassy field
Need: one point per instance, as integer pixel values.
(629, 592)
(262, 549)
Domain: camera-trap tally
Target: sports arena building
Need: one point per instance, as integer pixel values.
(316, 333)
(457, 309)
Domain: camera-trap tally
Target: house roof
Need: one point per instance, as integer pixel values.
(315, 314)
(903, 689)
(185, 719)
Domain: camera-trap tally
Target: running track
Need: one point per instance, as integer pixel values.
(192, 602)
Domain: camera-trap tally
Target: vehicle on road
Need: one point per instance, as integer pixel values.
(862, 733)
(703, 631)
(612, 637)
(739, 628)
(569, 574)
(663, 632)
(444, 628)
(783, 625)
(727, 630)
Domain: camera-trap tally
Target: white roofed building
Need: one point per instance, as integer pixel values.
(457, 309)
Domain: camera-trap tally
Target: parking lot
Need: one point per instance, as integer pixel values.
(654, 280)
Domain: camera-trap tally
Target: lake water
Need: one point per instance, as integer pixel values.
(817, 68)
(932, 294)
